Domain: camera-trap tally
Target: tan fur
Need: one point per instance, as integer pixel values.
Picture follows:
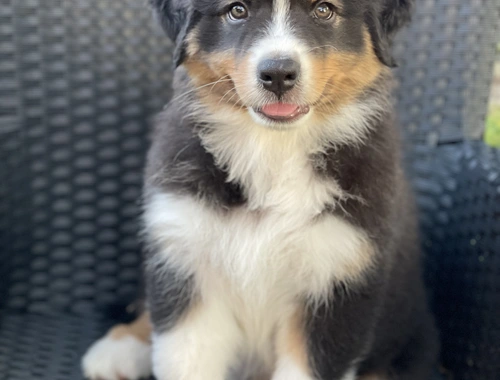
(192, 42)
(291, 341)
(141, 329)
(342, 77)
(210, 68)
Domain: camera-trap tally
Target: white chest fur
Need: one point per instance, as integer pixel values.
(262, 256)
(279, 243)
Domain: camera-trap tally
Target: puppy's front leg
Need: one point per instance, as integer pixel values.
(318, 342)
(195, 337)
(291, 347)
(200, 346)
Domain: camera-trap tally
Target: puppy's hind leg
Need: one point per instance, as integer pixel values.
(123, 354)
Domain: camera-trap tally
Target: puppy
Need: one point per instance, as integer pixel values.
(281, 232)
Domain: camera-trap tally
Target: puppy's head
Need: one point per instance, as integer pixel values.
(280, 62)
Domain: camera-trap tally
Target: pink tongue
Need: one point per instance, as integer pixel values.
(280, 109)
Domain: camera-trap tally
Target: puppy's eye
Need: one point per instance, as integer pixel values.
(324, 11)
(237, 12)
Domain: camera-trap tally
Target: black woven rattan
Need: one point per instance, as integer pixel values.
(79, 83)
(46, 347)
(446, 59)
(459, 199)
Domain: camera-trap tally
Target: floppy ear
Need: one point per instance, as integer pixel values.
(175, 17)
(386, 18)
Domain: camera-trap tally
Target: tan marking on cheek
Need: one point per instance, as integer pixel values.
(205, 69)
(200, 72)
(342, 77)
(141, 329)
(291, 342)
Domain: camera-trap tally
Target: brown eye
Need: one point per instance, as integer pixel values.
(238, 12)
(324, 11)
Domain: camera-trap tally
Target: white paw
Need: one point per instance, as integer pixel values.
(126, 358)
(287, 369)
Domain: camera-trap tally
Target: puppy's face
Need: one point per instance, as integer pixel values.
(281, 62)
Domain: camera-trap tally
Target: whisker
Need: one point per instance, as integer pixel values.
(249, 95)
(232, 96)
(221, 80)
(227, 93)
(321, 47)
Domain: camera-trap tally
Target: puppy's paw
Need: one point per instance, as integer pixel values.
(125, 358)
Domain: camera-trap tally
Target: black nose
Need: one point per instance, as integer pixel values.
(278, 75)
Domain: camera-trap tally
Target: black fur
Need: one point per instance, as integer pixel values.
(176, 18)
(384, 19)
(179, 163)
(171, 291)
(173, 16)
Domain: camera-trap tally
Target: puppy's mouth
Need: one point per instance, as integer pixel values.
(282, 112)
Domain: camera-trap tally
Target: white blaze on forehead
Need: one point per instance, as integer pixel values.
(280, 38)
(281, 10)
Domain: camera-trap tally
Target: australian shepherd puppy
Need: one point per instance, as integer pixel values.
(281, 232)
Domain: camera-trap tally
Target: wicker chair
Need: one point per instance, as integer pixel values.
(79, 82)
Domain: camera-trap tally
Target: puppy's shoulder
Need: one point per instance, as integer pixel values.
(179, 163)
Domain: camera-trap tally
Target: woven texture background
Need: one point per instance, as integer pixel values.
(79, 83)
(446, 62)
(458, 190)
(34, 347)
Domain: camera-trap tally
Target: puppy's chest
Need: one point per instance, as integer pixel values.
(279, 245)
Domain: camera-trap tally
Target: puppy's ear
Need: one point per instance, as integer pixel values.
(175, 17)
(385, 19)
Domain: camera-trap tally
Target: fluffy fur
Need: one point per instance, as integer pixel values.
(282, 249)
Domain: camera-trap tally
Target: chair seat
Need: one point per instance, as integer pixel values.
(39, 347)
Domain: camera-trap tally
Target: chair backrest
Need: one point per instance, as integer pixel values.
(79, 82)
(459, 199)
(446, 60)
